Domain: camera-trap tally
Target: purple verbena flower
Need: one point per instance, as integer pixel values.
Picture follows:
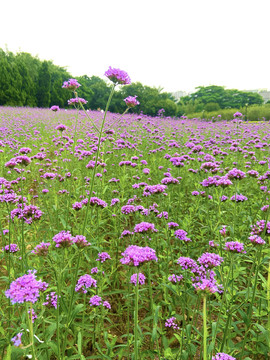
(86, 281)
(133, 279)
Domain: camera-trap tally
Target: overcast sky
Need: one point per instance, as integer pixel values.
(173, 44)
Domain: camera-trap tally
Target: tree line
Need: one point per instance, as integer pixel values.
(27, 81)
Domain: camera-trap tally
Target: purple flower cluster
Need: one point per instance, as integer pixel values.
(154, 189)
(97, 301)
(131, 101)
(175, 278)
(181, 235)
(86, 281)
(26, 288)
(133, 279)
(102, 257)
(171, 323)
(145, 227)
(12, 248)
(51, 300)
(71, 84)
(118, 76)
(65, 239)
(41, 249)
(223, 356)
(256, 240)
(235, 246)
(136, 255)
(210, 260)
(239, 198)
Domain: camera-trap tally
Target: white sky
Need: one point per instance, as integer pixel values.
(174, 44)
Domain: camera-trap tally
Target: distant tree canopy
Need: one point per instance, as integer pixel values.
(27, 81)
(210, 98)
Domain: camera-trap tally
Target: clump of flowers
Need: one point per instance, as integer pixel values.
(136, 255)
(41, 249)
(63, 239)
(51, 300)
(71, 84)
(86, 281)
(133, 279)
(102, 257)
(17, 339)
(171, 323)
(12, 248)
(235, 246)
(26, 288)
(223, 356)
(144, 227)
(118, 76)
(210, 260)
(256, 240)
(175, 278)
(181, 235)
(131, 101)
(55, 108)
(97, 301)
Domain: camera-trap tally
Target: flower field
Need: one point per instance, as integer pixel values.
(132, 237)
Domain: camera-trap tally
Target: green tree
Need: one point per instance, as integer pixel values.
(44, 85)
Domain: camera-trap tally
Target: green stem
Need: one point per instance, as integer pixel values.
(205, 357)
(136, 352)
(96, 160)
(30, 318)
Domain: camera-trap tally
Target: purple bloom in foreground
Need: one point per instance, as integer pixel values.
(175, 278)
(235, 246)
(71, 84)
(25, 288)
(81, 241)
(171, 323)
(223, 356)
(17, 339)
(136, 255)
(133, 279)
(256, 240)
(95, 300)
(63, 239)
(181, 235)
(41, 249)
(74, 101)
(131, 101)
(84, 283)
(118, 76)
(103, 257)
(12, 248)
(51, 300)
(55, 108)
(144, 227)
(61, 127)
(210, 260)
(237, 114)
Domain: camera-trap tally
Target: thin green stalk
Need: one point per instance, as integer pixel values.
(31, 331)
(96, 159)
(205, 356)
(136, 350)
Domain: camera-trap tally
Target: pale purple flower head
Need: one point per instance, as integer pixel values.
(235, 246)
(107, 305)
(12, 248)
(102, 257)
(136, 255)
(131, 101)
(210, 260)
(55, 108)
(41, 249)
(63, 239)
(75, 101)
(118, 76)
(171, 323)
(175, 278)
(144, 227)
(80, 241)
(71, 84)
(223, 356)
(51, 300)
(17, 339)
(256, 240)
(95, 300)
(25, 288)
(172, 225)
(86, 281)
(237, 114)
(181, 235)
(61, 127)
(133, 279)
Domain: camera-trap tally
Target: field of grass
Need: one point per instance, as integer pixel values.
(183, 204)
